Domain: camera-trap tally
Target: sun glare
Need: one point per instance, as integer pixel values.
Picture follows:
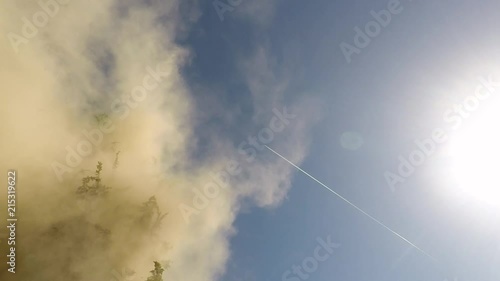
(475, 151)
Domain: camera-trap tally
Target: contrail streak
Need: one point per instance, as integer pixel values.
(354, 206)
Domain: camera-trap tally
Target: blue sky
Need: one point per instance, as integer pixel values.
(392, 104)
(392, 93)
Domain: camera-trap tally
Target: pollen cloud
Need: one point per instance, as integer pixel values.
(97, 83)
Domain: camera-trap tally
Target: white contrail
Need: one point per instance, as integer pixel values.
(356, 207)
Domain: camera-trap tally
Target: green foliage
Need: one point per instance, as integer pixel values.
(101, 118)
(156, 274)
(116, 162)
(91, 185)
(92, 189)
(150, 214)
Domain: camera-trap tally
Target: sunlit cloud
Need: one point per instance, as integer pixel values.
(117, 62)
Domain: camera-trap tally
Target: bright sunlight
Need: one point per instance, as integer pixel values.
(475, 151)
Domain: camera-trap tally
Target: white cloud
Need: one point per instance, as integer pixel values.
(83, 59)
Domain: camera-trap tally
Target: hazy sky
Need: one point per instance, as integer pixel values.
(348, 90)
(392, 93)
